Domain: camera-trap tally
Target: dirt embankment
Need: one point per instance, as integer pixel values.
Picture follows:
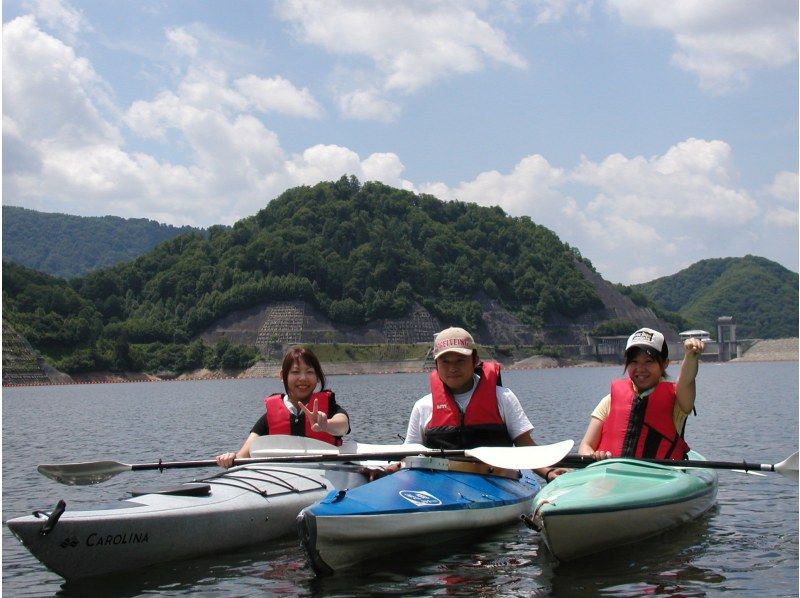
(778, 349)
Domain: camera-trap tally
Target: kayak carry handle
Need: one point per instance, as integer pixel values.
(52, 518)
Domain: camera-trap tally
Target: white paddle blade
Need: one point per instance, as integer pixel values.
(788, 467)
(351, 447)
(83, 474)
(277, 445)
(522, 457)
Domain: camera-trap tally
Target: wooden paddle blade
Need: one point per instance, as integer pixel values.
(522, 457)
(788, 467)
(83, 474)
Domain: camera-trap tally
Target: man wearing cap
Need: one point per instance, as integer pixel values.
(468, 406)
(644, 414)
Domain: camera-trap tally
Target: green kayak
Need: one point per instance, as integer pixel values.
(619, 501)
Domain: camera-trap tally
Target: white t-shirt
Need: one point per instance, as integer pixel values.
(510, 411)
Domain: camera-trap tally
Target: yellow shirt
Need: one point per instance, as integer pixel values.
(604, 408)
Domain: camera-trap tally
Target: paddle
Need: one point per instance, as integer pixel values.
(525, 457)
(787, 467)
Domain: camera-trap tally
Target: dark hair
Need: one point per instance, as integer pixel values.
(296, 354)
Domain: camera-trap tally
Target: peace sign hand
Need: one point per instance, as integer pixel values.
(318, 419)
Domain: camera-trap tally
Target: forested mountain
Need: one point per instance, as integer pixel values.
(69, 246)
(354, 252)
(760, 294)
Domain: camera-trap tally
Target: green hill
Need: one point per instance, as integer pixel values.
(355, 252)
(69, 246)
(760, 294)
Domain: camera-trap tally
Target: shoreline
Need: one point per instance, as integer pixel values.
(349, 368)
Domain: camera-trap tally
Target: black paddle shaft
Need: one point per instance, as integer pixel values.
(583, 461)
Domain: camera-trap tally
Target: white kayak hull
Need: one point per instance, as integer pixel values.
(244, 506)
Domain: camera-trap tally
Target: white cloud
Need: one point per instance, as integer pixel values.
(367, 104)
(530, 189)
(410, 44)
(182, 41)
(720, 41)
(691, 182)
(785, 187)
(276, 94)
(781, 217)
(60, 17)
(48, 90)
(552, 11)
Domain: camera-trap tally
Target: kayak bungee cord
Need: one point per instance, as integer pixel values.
(243, 482)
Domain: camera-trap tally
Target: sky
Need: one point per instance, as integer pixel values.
(648, 135)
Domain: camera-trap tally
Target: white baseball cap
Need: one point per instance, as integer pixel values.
(453, 340)
(650, 341)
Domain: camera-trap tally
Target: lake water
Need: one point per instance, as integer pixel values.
(747, 544)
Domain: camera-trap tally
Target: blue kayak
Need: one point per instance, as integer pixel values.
(430, 500)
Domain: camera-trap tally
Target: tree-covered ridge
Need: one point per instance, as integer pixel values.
(760, 294)
(356, 252)
(69, 246)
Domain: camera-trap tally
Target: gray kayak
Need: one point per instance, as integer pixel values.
(242, 506)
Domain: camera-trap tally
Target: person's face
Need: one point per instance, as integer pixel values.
(644, 371)
(455, 370)
(301, 380)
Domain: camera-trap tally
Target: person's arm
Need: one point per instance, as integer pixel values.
(591, 439)
(226, 459)
(413, 430)
(686, 387)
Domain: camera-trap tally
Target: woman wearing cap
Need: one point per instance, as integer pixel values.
(644, 414)
(468, 406)
(299, 412)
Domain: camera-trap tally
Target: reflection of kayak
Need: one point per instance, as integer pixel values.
(242, 506)
(429, 501)
(619, 501)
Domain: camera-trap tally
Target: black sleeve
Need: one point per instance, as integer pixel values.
(260, 426)
(334, 408)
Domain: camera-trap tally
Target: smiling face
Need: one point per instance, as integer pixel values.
(456, 370)
(301, 380)
(645, 371)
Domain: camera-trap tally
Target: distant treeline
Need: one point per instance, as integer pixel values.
(69, 246)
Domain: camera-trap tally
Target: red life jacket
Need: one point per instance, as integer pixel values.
(481, 423)
(279, 416)
(643, 427)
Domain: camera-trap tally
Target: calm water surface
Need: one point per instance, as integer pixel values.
(748, 544)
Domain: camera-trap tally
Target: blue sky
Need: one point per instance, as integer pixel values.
(649, 135)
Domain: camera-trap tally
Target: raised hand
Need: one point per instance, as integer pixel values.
(318, 419)
(693, 346)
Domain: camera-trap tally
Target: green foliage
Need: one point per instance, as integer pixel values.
(761, 295)
(614, 328)
(68, 246)
(356, 252)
